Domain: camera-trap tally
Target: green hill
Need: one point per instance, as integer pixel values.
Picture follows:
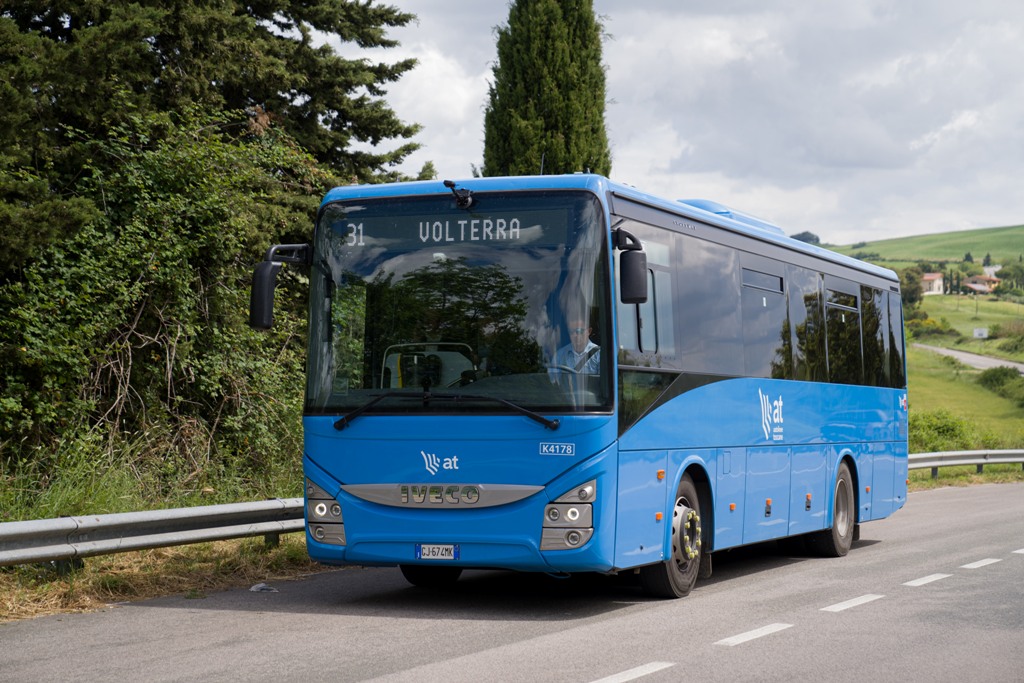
(1001, 243)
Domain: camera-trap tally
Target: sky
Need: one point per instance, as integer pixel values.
(856, 120)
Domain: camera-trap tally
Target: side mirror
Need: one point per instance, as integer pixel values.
(261, 299)
(264, 280)
(632, 268)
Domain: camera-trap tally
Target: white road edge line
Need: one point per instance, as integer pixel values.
(636, 673)
(927, 579)
(980, 563)
(1019, 552)
(855, 602)
(752, 635)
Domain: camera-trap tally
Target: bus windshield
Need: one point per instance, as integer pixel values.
(418, 306)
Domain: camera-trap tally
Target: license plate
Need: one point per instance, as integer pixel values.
(433, 551)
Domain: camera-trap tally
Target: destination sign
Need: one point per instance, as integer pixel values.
(470, 230)
(446, 228)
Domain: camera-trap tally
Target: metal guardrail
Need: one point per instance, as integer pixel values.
(921, 461)
(73, 538)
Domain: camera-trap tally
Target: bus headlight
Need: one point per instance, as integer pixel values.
(323, 516)
(569, 520)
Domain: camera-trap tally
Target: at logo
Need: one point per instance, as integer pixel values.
(771, 416)
(434, 463)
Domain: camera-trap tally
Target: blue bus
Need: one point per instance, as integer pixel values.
(563, 374)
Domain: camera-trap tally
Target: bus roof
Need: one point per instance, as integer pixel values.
(702, 210)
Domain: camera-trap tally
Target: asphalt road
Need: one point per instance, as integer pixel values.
(972, 359)
(935, 593)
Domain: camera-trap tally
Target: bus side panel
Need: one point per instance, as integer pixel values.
(766, 512)
(732, 474)
(809, 490)
(883, 470)
(899, 484)
(641, 496)
(865, 472)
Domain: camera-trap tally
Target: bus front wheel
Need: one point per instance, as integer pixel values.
(676, 577)
(837, 541)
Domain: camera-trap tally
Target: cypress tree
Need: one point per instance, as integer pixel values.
(545, 110)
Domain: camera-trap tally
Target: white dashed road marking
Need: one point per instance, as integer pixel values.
(864, 599)
(636, 673)
(980, 563)
(927, 579)
(753, 635)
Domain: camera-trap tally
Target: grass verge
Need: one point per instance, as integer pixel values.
(28, 591)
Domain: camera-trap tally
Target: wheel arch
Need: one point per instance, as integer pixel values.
(846, 456)
(702, 481)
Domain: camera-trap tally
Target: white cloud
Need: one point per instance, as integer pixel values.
(854, 119)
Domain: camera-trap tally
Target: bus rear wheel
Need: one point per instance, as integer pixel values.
(423, 576)
(676, 577)
(838, 540)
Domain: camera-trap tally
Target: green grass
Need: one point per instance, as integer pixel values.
(937, 382)
(967, 313)
(921, 480)
(1001, 243)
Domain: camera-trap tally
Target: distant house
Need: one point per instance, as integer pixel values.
(932, 283)
(982, 284)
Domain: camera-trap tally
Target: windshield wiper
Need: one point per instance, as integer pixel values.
(427, 397)
(536, 417)
(344, 421)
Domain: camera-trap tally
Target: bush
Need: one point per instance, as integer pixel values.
(927, 327)
(127, 370)
(1007, 382)
(994, 379)
(940, 430)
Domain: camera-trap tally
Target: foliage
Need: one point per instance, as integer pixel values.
(81, 65)
(545, 109)
(941, 430)
(125, 347)
(1005, 381)
(920, 327)
(911, 286)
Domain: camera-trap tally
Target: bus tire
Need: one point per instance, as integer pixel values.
(836, 542)
(423, 576)
(676, 577)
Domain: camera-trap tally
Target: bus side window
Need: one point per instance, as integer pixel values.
(648, 318)
(842, 332)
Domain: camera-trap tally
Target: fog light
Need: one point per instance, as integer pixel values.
(320, 509)
(336, 510)
(573, 538)
(573, 514)
(554, 514)
(318, 533)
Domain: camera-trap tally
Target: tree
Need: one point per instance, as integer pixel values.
(545, 109)
(911, 287)
(266, 58)
(968, 258)
(76, 69)
(130, 336)
(808, 237)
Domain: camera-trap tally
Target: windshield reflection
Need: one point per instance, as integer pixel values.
(416, 295)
